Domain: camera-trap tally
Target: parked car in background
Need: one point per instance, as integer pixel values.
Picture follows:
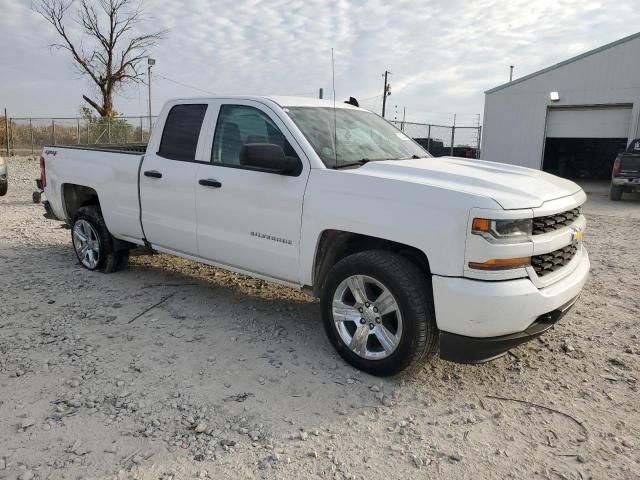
(625, 176)
(406, 251)
(4, 180)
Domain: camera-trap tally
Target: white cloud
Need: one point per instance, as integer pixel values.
(442, 55)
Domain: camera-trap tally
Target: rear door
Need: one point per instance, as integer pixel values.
(248, 219)
(168, 179)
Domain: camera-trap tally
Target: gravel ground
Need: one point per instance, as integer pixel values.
(175, 370)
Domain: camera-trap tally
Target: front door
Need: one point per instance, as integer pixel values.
(248, 219)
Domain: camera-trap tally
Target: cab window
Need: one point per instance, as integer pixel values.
(239, 125)
(181, 132)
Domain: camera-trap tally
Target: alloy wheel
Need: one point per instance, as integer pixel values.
(86, 244)
(367, 317)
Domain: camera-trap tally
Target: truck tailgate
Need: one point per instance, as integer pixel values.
(629, 165)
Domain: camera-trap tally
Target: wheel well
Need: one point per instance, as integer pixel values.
(334, 245)
(76, 196)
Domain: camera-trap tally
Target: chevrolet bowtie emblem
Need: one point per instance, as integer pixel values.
(577, 235)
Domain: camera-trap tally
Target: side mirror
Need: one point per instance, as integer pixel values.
(267, 156)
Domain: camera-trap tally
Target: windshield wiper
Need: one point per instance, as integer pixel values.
(362, 161)
(357, 163)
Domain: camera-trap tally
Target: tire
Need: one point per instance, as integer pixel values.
(36, 197)
(408, 286)
(101, 253)
(123, 260)
(615, 193)
(4, 186)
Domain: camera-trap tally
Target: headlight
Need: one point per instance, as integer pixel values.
(1, 161)
(512, 231)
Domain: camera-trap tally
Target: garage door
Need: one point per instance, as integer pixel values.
(595, 122)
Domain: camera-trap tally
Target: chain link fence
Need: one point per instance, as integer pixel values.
(443, 140)
(27, 135)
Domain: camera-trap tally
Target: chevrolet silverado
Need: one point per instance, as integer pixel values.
(409, 254)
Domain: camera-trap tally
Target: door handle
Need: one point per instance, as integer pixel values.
(153, 174)
(210, 182)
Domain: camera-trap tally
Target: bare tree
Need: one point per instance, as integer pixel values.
(110, 49)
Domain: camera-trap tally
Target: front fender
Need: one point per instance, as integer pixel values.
(430, 219)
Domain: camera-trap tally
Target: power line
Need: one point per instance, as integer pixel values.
(184, 84)
(449, 114)
(314, 94)
(302, 94)
(369, 98)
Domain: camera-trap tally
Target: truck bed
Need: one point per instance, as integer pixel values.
(111, 170)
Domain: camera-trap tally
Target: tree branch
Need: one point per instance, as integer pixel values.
(97, 107)
(54, 11)
(114, 56)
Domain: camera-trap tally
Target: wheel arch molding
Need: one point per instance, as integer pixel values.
(76, 196)
(334, 245)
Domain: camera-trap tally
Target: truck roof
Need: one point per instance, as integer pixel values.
(282, 101)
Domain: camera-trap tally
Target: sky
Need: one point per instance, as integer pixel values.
(442, 55)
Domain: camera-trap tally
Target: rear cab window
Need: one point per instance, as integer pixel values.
(181, 132)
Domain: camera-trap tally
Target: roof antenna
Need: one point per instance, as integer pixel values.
(335, 121)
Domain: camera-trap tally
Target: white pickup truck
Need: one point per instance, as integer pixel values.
(409, 254)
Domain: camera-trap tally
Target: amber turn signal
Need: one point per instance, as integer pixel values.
(480, 225)
(501, 263)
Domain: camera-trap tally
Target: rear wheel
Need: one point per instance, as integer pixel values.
(93, 244)
(615, 192)
(378, 312)
(4, 186)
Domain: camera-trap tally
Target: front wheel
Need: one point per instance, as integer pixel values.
(377, 309)
(93, 244)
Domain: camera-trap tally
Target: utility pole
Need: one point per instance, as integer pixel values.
(386, 92)
(150, 63)
(6, 130)
(511, 73)
(453, 133)
(320, 93)
(404, 116)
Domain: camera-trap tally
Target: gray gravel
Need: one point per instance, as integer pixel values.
(232, 377)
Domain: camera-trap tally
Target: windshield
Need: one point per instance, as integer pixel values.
(360, 136)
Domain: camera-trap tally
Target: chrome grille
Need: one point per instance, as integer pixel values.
(551, 223)
(552, 261)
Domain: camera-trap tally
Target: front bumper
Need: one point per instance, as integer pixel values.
(461, 349)
(502, 312)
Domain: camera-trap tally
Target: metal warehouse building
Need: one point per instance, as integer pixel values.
(570, 119)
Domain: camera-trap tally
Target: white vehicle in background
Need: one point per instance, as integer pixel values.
(408, 253)
(4, 179)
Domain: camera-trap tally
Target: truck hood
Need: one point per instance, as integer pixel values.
(511, 186)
